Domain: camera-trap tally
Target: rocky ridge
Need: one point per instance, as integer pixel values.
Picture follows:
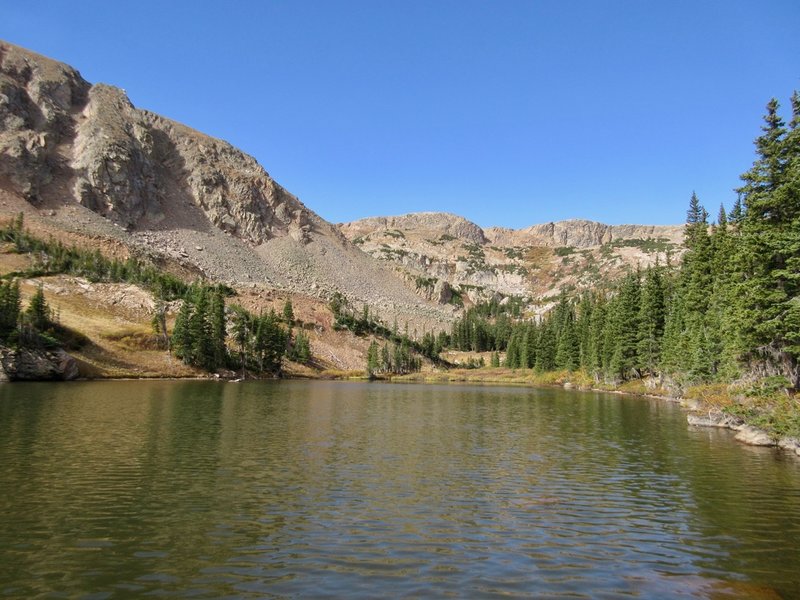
(449, 257)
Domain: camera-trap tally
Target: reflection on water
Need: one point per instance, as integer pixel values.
(335, 489)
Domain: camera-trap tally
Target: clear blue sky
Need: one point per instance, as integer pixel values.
(506, 112)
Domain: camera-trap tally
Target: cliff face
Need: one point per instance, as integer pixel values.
(81, 157)
(579, 233)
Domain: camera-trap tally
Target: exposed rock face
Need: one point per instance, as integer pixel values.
(37, 101)
(36, 365)
(125, 163)
(436, 224)
(579, 233)
(92, 162)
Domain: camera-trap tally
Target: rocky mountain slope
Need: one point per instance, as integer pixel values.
(451, 259)
(80, 158)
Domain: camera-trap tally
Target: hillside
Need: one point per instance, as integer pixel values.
(434, 249)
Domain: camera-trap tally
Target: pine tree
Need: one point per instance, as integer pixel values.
(513, 350)
(202, 349)
(737, 212)
(583, 327)
(159, 323)
(288, 312)
(301, 348)
(386, 359)
(675, 346)
(652, 314)
(38, 312)
(10, 307)
(624, 329)
(218, 329)
(567, 345)
(181, 335)
(241, 328)
(546, 346)
(593, 361)
(372, 359)
(697, 261)
(769, 287)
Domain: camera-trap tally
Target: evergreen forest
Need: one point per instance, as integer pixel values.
(730, 309)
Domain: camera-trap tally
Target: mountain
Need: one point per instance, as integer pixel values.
(87, 167)
(450, 258)
(81, 160)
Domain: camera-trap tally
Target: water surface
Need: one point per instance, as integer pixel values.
(298, 489)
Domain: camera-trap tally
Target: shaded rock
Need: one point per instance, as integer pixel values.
(36, 365)
(442, 292)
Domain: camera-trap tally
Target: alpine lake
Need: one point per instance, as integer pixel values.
(279, 489)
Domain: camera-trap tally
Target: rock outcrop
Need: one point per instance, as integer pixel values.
(434, 224)
(36, 365)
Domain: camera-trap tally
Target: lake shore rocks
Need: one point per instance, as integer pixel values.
(747, 434)
(36, 365)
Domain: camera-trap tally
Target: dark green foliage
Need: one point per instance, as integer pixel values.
(567, 344)
(373, 359)
(199, 337)
(652, 317)
(397, 359)
(260, 341)
(218, 328)
(38, 313)
(288, 313)
(10, 307)
(768, 288)
(300, 348)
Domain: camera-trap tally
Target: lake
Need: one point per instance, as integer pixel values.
(334, 489)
